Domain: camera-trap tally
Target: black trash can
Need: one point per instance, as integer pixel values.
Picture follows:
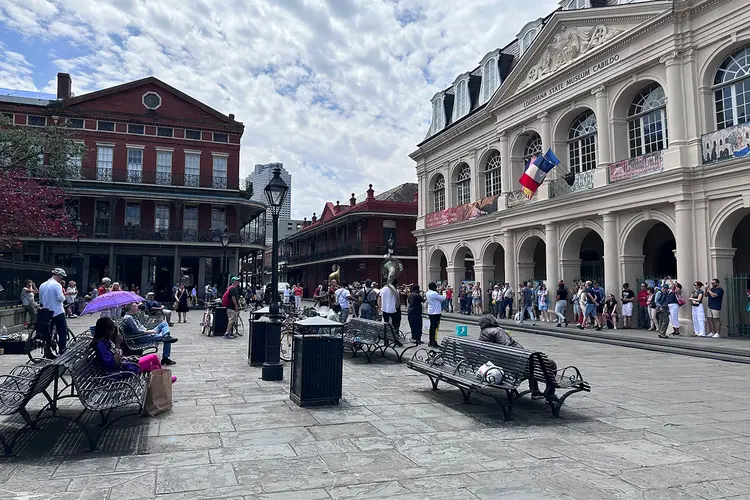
(221, 321)
(317, 362)
(256, 348)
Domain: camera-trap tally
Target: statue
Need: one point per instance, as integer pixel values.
(391, 243)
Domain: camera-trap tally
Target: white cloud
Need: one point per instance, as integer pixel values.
(332, 88)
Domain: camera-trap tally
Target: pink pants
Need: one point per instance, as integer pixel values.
(149, 363)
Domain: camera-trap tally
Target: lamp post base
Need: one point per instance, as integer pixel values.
(272, 371)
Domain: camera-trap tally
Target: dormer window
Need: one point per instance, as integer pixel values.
(526, 40)
(461, 106)
(528, 34)
(577, 4)
(489, 79)
(438, 114)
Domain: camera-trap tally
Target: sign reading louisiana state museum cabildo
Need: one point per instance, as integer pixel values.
(460, 213)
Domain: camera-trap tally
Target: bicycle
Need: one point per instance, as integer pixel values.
(40, 347)
(208, 319)
(287, 337)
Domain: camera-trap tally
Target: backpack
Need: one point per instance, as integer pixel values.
(225, 298)
(652, 303)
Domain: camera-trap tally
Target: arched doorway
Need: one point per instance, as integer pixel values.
(438, 267)
(532, 259)
(733, 270)
(649, 253)
(583, 256)
(494, 259)
(464, 259)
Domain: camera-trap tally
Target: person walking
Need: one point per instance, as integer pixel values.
(343, 298)
(674, 302)
(527, 299)
(662, 310)
(181, 299)
(434, 309)
(699, 315)
(575, 297)
(561, 303)
(449, 299)
(628, 298)
(287, 294)
(230, 300)
(643, 309)
(207, 294)
(650, 300)
(414, 314)
(28, 301)
(388, 301)
(508, 294)
(297, 291)
(715, 296)
(542, 296)
(369, 299)
(52, 298)
(194, 295)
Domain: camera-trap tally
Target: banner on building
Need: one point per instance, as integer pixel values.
(460, 213)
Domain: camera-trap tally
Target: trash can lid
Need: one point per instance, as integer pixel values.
(321, 322)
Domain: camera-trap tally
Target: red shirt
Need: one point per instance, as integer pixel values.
(101, 291)
(297, 291)
(449, 293)
(643, 298)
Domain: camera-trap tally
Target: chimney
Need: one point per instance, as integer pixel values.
(370, 193)
(304, 222)
(338, 207)
(64, 86)
(314, 218)
(352, 200)
(231, 116)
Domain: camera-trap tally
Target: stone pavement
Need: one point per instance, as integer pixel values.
(655, 426)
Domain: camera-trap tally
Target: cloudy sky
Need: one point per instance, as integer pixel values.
(337, 90)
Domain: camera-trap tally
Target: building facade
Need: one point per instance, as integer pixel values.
(645, 105)
(155, 188)
(354, 238)
(261, 176)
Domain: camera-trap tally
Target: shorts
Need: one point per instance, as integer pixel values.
(476, 301)
(714, 313)
(627, 309)
(600, 308)
(231, 314)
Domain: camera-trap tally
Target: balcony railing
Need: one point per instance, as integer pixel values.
(633, 168)
(135, 232)
(158, 178)
(726, 144)
(516, 198)
(345, 250)
(572, 183)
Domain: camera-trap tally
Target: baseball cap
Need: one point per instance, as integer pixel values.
(234, 278)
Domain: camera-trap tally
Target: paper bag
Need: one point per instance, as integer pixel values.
(159, 395)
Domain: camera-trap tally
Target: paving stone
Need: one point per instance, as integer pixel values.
(259, 421)
(195, 478)
(162, 460)
(266, 437)
(328, 432)
(182, 442)
(323, 447)
(667, 476)
(195, 425)
(244, 453)
(86, 467)
(402, 426)
(290, 473)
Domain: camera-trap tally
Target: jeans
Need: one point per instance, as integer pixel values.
(497, 307)
(61, 326)
(449, 304)
(298, 301)
(365, 312)
(643, 317)
(530, 310)
(560, 306)
(344, 314)
(162, 331)
(662, 317)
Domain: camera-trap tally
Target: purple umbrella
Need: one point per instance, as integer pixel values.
(111, 299)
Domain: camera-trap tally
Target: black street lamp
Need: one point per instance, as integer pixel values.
(224, 263)
(273, 369)
(77, 224)
(78, 258)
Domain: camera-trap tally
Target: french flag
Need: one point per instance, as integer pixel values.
(537, 170)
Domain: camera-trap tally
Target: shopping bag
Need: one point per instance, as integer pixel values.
(159, 395)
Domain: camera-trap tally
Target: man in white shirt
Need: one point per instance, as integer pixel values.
(343, 297)
(497, 300)
(52, 298)
(434, 310)
(388, 301)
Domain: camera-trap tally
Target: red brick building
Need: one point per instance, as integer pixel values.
(158, 183)
(355, 237)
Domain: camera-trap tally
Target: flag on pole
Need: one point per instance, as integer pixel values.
(536, 171)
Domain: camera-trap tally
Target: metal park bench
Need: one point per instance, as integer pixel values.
(457, 362)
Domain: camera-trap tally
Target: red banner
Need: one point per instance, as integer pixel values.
(460, 213)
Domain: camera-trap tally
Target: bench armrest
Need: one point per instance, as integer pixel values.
(574, 377)
(14, 381)
(25, 370)
(463, 367)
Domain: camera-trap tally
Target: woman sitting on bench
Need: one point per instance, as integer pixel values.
(111, 358)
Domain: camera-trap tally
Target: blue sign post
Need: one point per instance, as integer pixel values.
(462, 331)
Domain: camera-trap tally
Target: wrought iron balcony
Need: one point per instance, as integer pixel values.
(572, 183)
(103, 174)
(220, 182)
(164, 178)
(135, 176)
(516, 198)
(351, 249)
(135, 232)
(158, 178)
(633, 168)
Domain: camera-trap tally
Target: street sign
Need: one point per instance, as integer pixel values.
(462, 331)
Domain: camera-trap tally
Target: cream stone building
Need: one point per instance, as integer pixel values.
(646, 104)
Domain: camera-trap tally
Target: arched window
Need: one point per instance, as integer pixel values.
(492, 175)
(462, 100)
(533, 148)
(437, 116)
(489, 79)
(438, 194)
(463, 185)
(647, 121)
(582, 142)
(577, 4)
(732, 93)
(527, 39)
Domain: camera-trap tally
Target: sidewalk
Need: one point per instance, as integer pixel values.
(726, 348)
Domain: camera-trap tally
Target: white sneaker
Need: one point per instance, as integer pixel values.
(715, 335)
(703, 335)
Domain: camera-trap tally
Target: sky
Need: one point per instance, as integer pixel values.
(337, 90)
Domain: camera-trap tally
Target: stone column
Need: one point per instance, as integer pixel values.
(483, 274)
(686, 272)
(86, 274)
(552, 256)
(505, 170)
(176, 266)
(455, 276)
(201, 276)
(602, 124)
(112, 264)
(611, 262)
(509, 245)
(675, 105)
(722, 264)
(450, 188)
